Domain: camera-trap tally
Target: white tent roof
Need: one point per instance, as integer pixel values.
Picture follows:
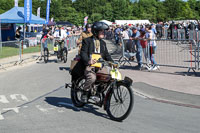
(122, 22)
(107, 22)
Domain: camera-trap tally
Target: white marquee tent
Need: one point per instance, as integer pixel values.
(107, 22)
(134, 22)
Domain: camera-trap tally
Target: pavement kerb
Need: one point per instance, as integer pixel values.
(166, 96)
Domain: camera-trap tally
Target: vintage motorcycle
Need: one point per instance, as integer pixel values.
(109, 91)
(61, 53)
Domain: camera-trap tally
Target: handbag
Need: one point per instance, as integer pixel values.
(74, 62)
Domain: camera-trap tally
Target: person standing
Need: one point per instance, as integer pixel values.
(84, 35)
(152, 47)
(159, 30)
(18, 33)
(117, 33)
(136, 42)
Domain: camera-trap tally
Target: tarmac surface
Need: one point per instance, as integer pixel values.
(169, 84)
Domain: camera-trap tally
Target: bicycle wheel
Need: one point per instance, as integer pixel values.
(122, 61)
(65, 53)
(46, 55)
(120, 102)
(76, 92)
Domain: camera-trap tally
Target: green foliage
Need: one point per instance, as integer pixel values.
(75, 11)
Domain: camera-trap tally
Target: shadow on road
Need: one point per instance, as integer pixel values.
(66, 102)
(49, 61)
(64, 68)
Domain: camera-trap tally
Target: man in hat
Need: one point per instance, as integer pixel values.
(61, 35)
(84, 34)
(117, 32)
(136, 42)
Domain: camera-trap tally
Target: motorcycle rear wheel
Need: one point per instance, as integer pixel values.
(76, 92)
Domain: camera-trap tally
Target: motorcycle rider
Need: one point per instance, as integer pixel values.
(84, 34)
(61, 34)
(93, 45)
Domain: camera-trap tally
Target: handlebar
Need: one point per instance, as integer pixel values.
(108, 63)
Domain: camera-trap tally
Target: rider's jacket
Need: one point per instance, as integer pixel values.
(88, 48)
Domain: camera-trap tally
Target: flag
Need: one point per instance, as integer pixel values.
(38, 12)
(85, 20)
(27, 10)
(16, 3)
(47, 11)
(51, 19)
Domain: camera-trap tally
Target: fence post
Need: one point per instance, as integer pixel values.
(20, 51)
(198, 54)
(73, 42)
(0, 46)
(195, 54)
(123, 49)
(41, 48)
(70, 41)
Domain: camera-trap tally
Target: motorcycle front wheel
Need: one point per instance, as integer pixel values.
(46, 55)
(120, 102)
(65, 53)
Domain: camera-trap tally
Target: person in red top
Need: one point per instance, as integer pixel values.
(144, 43)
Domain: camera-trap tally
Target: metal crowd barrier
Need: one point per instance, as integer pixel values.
(69, 43)
(181, 34)
(18, 51)
(168, 53)
(165, 33)
(9, 48)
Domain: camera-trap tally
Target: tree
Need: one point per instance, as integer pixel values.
(75, 11)
(173, 7)
(6, 5)
(187, 12)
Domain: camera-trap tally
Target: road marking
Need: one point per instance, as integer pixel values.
(18, 97)
(44, 110)
(3, 99)
(16, 109)
(140, 95)
(1, 116)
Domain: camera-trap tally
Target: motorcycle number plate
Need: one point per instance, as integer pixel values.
(55, 48)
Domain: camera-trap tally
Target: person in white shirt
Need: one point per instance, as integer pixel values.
(152, 48)
(125, 33)
(60, 33)
(60, 36)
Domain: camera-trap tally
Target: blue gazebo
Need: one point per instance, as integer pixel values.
(16, 15)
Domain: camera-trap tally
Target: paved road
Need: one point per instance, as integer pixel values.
(33, 99)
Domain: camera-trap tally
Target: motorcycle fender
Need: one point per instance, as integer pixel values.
(128, 81)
